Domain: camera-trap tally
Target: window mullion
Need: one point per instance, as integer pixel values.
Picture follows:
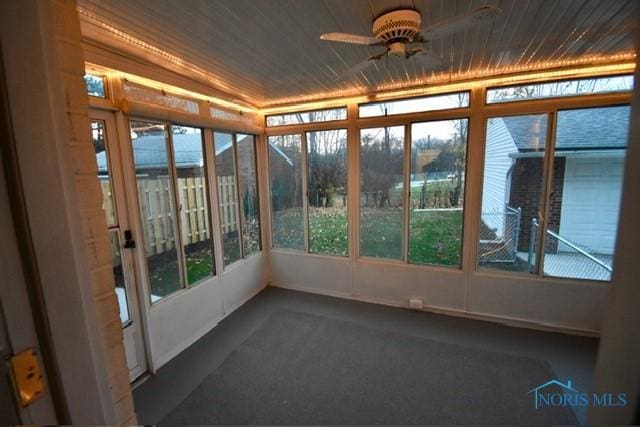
(406, 192)
(239, 201)
(305, 190)
(547, 192)
(177, 208)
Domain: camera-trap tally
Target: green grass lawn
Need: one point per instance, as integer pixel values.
(165, 277)
(328, 231)
(435, 237)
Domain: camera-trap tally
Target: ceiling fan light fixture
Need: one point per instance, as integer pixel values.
(398, 25)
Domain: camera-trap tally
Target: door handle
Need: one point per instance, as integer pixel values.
(129, 243)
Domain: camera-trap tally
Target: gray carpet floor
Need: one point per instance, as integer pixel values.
(155, 397)
(300, 368)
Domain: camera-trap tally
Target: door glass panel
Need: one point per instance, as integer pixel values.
(248, 185)
(327, 191)
(118, 273)
(227, 197)
(588, 168)
(512, 192)
(285, 173)
(149, 142)
(98, 132)
(193, 199)
(381, 192)
(438, 161)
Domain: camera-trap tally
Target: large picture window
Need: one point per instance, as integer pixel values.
(437, 182)
(382, 192)
(585, 168)
(227, 197)
(174, 205)
(582, 223)
(193, 198)
(327, 191)
(157, 207)
(237, 195)
(512, 192)
(248, 190)
(287, 207)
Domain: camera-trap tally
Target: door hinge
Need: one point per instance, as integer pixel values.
(27, 376)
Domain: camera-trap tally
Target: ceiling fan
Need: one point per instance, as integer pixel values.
(397, 29)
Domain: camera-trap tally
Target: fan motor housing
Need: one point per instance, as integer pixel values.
(397, 26)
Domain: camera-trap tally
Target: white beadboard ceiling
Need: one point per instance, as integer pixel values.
(268, 52)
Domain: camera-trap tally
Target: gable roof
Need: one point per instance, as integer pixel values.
(583, 129)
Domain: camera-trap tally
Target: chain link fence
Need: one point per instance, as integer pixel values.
(570, 259)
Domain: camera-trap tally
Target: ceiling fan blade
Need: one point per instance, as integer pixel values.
(482, 15)
(351, 38)
(360, 67)
(428, 59)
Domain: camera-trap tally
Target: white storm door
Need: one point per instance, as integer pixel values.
(108, 150)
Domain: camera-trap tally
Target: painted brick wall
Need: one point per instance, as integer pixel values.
(71, 70)
(526, 193)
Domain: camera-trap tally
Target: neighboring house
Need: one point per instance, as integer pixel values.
(588, 169)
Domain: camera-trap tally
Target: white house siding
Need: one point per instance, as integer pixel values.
(591, 202)
(496, 166)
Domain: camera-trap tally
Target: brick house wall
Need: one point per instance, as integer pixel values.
(526, 193)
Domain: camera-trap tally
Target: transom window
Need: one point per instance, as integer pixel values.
(560, 88)
(415, 105)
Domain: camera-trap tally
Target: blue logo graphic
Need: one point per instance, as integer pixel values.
(569, 396)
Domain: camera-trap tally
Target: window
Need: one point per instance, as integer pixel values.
(227, 197)
(327, 191)
(177, 236)
(512, 192)
(157, 207)
(285, 173)
(585, 168)
(382, 192)
(437, 182)
(248, 190)
(560, 88)
(590, 148)
(95, 85)
(104, 172)
(415, 105)
(307, 117)
(193, 202)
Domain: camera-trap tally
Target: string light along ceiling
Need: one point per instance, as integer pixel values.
(269, 52)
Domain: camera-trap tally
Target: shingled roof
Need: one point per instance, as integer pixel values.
(584, 129)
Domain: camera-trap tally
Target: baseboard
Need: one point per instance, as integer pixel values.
(502, 320)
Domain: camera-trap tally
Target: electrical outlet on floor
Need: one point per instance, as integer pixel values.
(415, 304)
